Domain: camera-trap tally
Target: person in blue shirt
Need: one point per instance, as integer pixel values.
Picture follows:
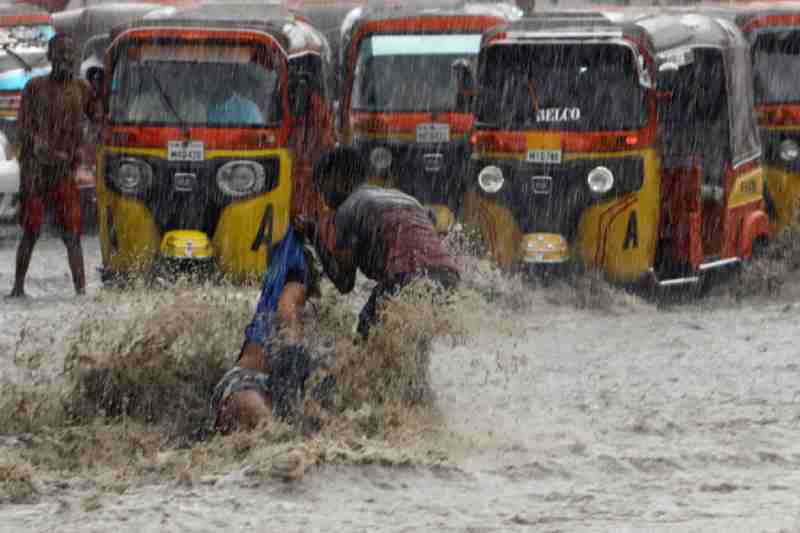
(228, 107)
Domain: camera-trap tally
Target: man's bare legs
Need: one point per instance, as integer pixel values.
(75, 259)
(24, 254)
(248, 408)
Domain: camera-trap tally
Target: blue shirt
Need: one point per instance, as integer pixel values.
(236, 110)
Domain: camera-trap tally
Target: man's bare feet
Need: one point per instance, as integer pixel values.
(16, 294)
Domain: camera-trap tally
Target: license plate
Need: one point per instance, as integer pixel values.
(542, 184)
(544, 156)
(185, 151)
(433, 133)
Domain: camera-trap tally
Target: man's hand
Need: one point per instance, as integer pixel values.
(305, 225)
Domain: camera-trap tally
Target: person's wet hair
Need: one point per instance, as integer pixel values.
(338, 174)
(57, 39)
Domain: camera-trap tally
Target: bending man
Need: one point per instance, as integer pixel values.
(386, 234)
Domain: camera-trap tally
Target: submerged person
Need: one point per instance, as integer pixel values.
(273, 364)
(386, 234)
(50, 126)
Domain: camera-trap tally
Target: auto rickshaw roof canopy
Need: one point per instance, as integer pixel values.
(293, 34)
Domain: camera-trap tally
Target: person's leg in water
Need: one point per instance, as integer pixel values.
(368, 315)
(254, 404)
(24, 254)
(31, 218)
(75, 258)
(69, 220)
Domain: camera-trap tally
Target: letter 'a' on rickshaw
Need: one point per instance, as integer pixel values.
(406, 96)
(581, 158)
(208, 134)
(774, 33)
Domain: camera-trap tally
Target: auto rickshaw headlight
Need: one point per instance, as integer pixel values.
(789, 150)
(600, 180)
(491, 179)
(133, 176)
(381, 158)
(241, 178)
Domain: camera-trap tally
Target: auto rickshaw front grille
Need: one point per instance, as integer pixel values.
(192, 208)
(772, 149)
(414, 174)
(559, 209)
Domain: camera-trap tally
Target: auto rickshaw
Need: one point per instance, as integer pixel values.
(90, 27)
(773, 31)
(213, 115)
(616, 144)
(400, 107)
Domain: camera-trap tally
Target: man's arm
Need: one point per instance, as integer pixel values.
(25, 118)
(337, 262)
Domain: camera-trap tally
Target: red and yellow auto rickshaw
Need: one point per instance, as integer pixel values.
(580, 157)
(406, 102)
(773, 30)
(213, 116)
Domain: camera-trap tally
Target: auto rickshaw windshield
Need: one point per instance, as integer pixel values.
(776, 67)
(579, 87)
(410, 73)
(209, 85)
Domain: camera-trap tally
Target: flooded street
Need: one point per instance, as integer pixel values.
(549, 416)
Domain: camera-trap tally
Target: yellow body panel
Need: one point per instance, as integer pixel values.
(139, 240)
(784, 190)
(748, 188)
(618, 236)
(497, 226)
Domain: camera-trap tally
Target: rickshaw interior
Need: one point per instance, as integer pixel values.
(586, 87)
(776, 62)
(695, 130)
(412, 73)
(232, 86)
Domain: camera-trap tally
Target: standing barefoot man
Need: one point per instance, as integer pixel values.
(50, 134)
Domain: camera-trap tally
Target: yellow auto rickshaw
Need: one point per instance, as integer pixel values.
(406, 94)
(213, 114)
(774, 34)
(616, 143)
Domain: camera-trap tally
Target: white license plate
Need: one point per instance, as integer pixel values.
(544, 156)
(185, 151)
(433, 133)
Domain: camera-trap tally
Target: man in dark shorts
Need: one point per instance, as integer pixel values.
(386, 234)
(50, 125)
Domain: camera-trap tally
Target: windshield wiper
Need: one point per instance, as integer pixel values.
(27, 66)
(165, 99)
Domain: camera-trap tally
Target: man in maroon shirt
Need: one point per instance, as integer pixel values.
(386, 234)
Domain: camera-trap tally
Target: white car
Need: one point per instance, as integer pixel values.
(9, 183)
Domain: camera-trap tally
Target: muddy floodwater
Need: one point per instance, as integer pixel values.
(556, 409)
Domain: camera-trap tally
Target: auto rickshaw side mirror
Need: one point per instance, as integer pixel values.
(667, 78)
(300, 97)
(465, 84)
(95, 76)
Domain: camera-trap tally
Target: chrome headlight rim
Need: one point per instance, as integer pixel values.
(789, 150)
(381, 158)
(225, 175)
(600, 180)
(489, 173)
(144, 179)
